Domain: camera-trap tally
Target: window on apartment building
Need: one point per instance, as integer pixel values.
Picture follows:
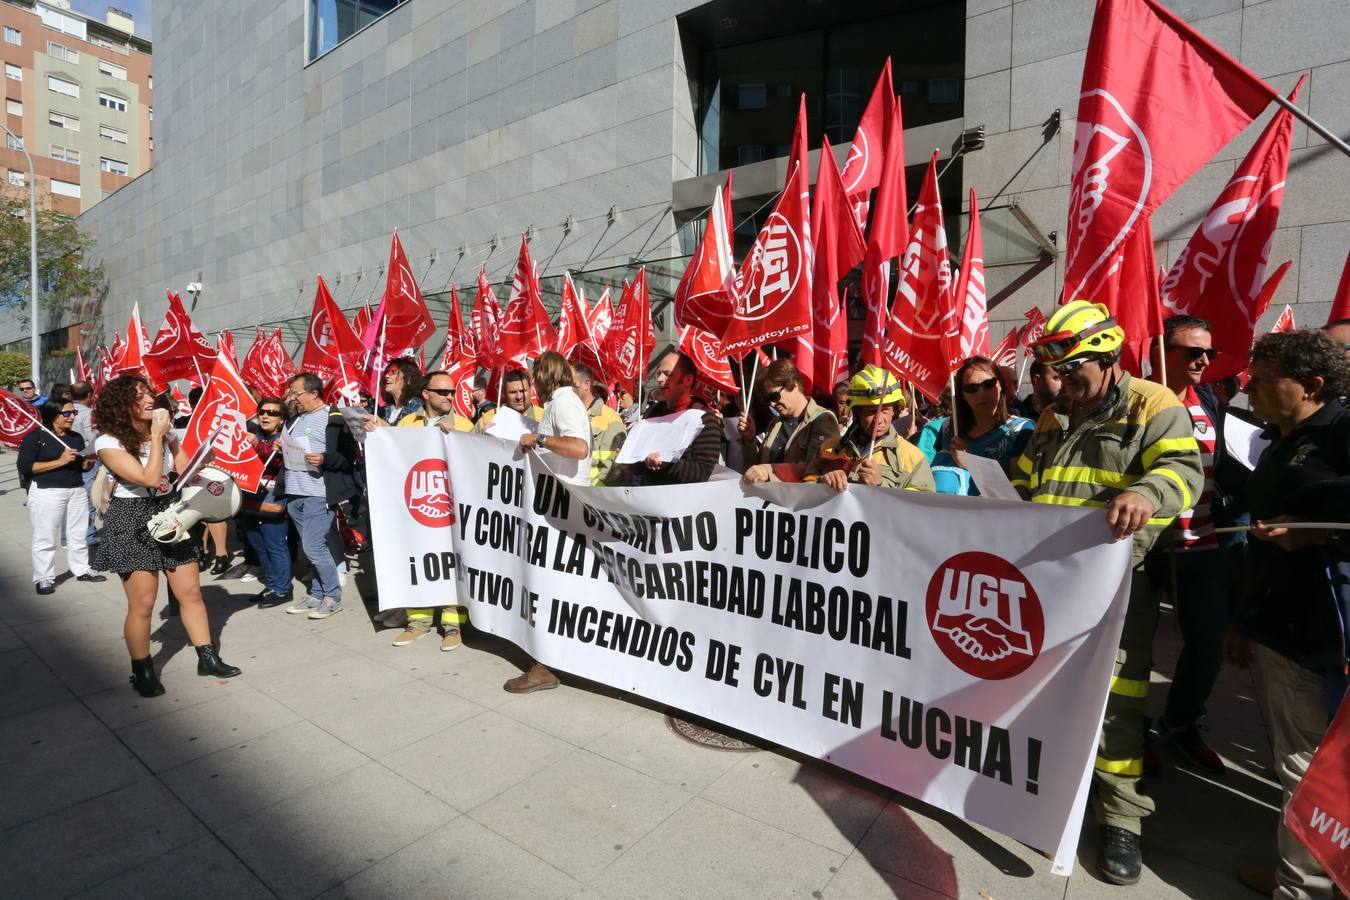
(150, 82)
(13, 36)
(17, 179)
(13, 141)
(63, 120)
(65, 154)
(66, 24)
(152, 144)
(152, 113)
(61, 86)
(61, 51)
(13, 107)
(108, 133)
(65, 188)
(115, 166)
(13, 72)
(110, 69)
(333, 21)
(112, 101)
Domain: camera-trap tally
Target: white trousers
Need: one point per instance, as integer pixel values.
(48, 510)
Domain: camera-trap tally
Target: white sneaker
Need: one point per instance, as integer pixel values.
(250, 574)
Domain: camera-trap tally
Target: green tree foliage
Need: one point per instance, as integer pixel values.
(63, 248)
(14, 367)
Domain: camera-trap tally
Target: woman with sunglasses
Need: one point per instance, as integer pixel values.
(262, 517)
(53, 464)
(800, 428)
(136, 445)
(983, 426)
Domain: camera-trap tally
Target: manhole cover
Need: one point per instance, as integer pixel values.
(704, 736)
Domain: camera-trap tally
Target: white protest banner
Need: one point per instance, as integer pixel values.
(956, 649)
(669, 436)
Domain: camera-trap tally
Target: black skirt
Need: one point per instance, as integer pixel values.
(125, 544)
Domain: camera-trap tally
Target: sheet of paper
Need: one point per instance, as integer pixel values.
(988, 476)
(1243, 440)
(509, 425)
(293, 450)
(668, 435)
(355, 419)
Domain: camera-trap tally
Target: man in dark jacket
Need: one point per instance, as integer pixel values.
(698, 460)
(314, 489)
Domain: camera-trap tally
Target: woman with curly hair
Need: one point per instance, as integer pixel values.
(402, 390)
(136, 445)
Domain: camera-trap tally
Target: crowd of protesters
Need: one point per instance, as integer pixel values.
(1150, 452)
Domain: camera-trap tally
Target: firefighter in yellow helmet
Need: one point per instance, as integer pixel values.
(871, 451)
(1123, 445)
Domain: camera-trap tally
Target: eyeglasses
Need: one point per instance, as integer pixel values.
(269, 412)
(1194, 353)
(298, 393)
(67, 413)
(1069, 365)
(774, 397)
(441, 392)
(976, 386)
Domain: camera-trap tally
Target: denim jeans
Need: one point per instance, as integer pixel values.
(1202, 612)
(267, 539)
(314, 520)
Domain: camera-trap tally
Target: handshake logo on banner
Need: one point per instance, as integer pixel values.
(985, 616)
(426, 491)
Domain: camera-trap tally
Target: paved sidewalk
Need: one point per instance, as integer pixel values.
(340, 766)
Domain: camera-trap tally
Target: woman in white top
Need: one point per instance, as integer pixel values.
(136, 445)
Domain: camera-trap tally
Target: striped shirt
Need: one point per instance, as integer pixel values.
(1195, 526)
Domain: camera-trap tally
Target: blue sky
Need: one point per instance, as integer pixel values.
(97, 9)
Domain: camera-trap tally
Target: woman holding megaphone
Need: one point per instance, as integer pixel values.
(136, 445)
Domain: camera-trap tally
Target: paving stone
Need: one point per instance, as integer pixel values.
(394, 717)
(202, 870)
(573, 714)
(646, 744)
(185, 734)
(29, 684)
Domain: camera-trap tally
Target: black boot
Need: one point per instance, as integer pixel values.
(222, 564)
(210, 663)
(1120, 861)
(144, 679)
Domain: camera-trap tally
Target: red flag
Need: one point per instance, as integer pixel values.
(1034, 330)
(402, 317)
(1005, 354)
(773, 301)
(345, 387)
(361, 320)
(706, 295)
(887, 239)
(226, 343)
(866, 156)
(971, 307)
(181, 402)
(1340, 304)
(526, 331)
(923, 317)
(82, 370)
(573, 330)
(709, 358)
(17, 418)
(132, 357)
(1157, 101)
(268, 366)
(1319, 812)
(1136, 305)
(1285, 323)
(601, 315)
(457, 342)
(1221, 271)
(631, 338)
(461, 374)
(226, 403)
(330, 337)
(179, 349)
(106, 371)
(839, 246)
(598, 322)
(487, 322)
(250, 361)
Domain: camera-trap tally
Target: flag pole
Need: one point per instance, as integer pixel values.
(1315, 125)
(872, 438)
(1162, 361)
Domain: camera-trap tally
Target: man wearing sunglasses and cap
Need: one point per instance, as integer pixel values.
(1124, 445)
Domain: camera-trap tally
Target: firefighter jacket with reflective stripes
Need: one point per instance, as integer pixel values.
(420, 419)
(903, 466)
(607, 433)
(1138, 439)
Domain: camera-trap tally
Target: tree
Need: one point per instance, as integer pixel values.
(63, 278)
(14, 368)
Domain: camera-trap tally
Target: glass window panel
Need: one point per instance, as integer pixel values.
(333, 21)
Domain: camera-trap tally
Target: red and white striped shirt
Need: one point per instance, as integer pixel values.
(1195, 526)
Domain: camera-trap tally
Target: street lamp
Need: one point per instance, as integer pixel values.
(32, 253)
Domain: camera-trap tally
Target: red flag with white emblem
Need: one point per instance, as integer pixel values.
(706, 295)
(82, 370)
(1285, 323)
(105, 371)
(457, 342)
(526, 331)
(1157, 101)
(226, 342)
(887, 237)
(923, 316)
(330, 337)
(773, 302)
(17, 418)
(268, 366)
(1340, 304)
(1136, 303)
(598, 321)
(573, 329)
(402, 317)
(867, 153)
(971, 306)
(179, 349)
(1034, 330)
(226, 403)
(461, 374)
(1318, 813)
(180, 402)
(487, 321)
(132, 356)
(709, 358)
(1005, 354)
(631, 337)
(1220, 273)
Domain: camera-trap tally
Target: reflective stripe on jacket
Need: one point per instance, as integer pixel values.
(607, 434)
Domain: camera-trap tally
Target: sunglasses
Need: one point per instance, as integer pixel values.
(1069, 365)
(774, 397)
(269, 412)
(67, 413)
(1194, 353)
(441, 392)
(976, 386)
(1059, 345)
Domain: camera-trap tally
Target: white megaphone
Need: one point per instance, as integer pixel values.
(208, 496)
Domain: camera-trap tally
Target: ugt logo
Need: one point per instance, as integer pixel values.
(774, 271)
(985, 616)
(426, 491)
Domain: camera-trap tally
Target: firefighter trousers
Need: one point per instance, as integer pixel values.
(1116, 798)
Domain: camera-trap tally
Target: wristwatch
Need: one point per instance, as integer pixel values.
(540, 442)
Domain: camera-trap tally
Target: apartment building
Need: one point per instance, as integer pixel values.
(78, 93)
